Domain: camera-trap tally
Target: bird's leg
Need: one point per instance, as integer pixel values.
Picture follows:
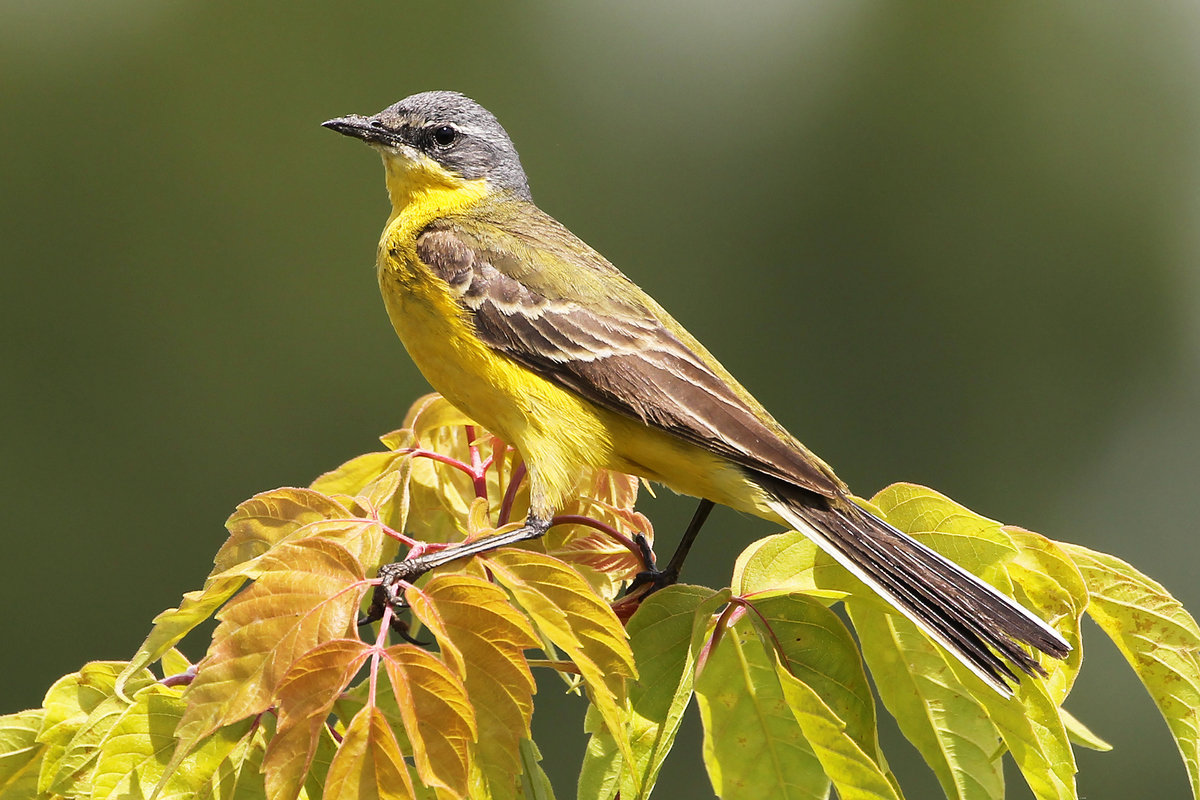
(390, 591)
(660, 578)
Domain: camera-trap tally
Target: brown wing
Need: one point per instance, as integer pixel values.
(613, 349)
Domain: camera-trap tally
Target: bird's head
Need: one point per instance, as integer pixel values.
(439, 140)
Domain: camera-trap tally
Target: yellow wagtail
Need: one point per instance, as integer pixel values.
(537, 337)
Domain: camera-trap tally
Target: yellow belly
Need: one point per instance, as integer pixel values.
(556, 431)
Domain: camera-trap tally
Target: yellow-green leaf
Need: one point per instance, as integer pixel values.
(664, 633)
(174, 663)
(823, 681)
(977, 543)
(368, 764)
(138, 750)
(20, 754)
(535, 785)
(238, 775)
(855, 773)
(354, 475)
(1158, 638)
(1081, 734)
(80, 711)
(753, 746)
(791, 562)
(432, 412)
(1050, 585)
(936, 713)
(1033, 730)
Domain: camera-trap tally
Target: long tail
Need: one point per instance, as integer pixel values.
(969, 618)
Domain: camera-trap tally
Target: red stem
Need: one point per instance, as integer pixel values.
(380, 642)
(510, 494)
(454, 462)
(478, 468)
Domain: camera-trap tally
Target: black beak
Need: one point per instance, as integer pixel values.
(369, 129)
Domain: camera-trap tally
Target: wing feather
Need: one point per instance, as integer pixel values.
(617, 350)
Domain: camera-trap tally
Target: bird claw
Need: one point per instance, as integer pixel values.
(389, 593)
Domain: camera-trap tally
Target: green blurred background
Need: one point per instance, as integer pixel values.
(948, 244)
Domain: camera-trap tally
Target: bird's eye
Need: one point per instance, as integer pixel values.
(444, 135)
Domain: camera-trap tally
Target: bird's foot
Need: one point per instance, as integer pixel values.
(650, 579)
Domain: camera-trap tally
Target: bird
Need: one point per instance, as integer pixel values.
(537, 337)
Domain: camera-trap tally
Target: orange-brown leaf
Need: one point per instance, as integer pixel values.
(304, 698)
(437, 715)
(263, 520)
(368, 764)
(286, 763)
(584, 546)
(308, 593)
(484, 638)
(364, 538)
(566, 610)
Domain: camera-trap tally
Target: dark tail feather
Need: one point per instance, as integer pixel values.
(974, 621)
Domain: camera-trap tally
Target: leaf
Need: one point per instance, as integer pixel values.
(368, 764)
(535, 785)
(284, 777)
(136, 753)
(80, 710)
(268, 518)
(377, 482)
(564, 608)
(314, 784)
(753, 746)
(822, 678)
(437, 715)
(352, 477)
(432, 412)
(1081, 734)
(174, 663)
(305, 695)
(309, 592)
(362, 538)
(607, 497)
(483, 638)
(440, 495)
(255, 527)
(975, 542)
(603, 560)
(73, 772)
(1049, 584)
(854, 773)
(20, 753)
(238, 775)
(1158, 638)
(791, 562)
(665, 633)
(934, 710)
(1030, 724)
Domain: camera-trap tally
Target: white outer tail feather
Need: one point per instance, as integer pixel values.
(821, 539)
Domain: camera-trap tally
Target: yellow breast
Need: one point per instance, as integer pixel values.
(555, 430)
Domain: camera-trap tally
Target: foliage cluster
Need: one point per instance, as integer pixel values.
(294, 699)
